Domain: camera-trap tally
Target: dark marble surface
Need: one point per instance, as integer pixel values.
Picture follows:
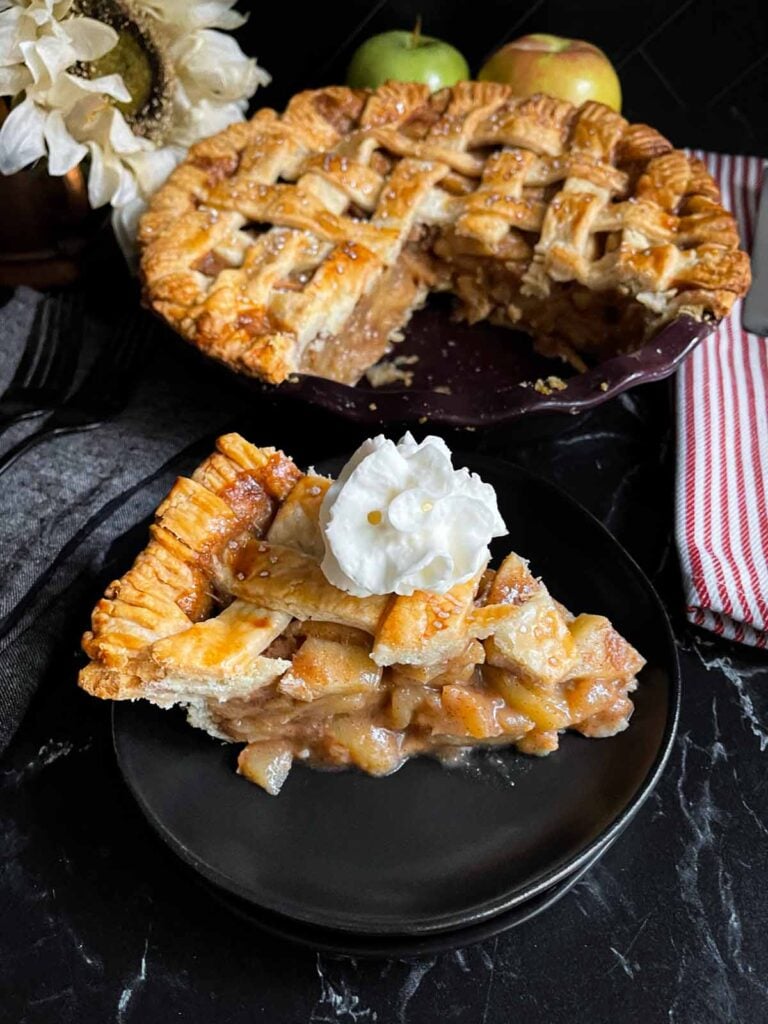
(100, 924)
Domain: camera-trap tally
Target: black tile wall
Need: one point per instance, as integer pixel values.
(695, 69)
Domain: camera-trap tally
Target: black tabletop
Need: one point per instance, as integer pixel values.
(99, 921)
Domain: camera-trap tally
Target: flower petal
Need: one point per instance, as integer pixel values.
(46, 58)
(205, 118)
(152, 168)
(212, 65)
(90, 39)
(63, 152)
(125, 224)
(126, 186)
(21, 137)
(42, 13)
(120, 137)
(13, 80)
(108, 85)
(219, 14)
(188, 17)
(10, 36)
(103, 177)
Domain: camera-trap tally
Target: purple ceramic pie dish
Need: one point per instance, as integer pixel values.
(482, 375)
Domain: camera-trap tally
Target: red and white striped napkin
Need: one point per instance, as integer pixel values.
(722, 453)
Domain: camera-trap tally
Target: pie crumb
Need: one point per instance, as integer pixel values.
(548, 386)
(390, 371)
(442, 389)
(604, 385)
(372, 406)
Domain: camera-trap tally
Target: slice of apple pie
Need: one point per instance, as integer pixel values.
(228, 613)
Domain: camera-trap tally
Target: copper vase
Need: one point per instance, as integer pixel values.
(47, 224)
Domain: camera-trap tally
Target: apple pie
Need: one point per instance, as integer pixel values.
(303, 242)
(227, 613)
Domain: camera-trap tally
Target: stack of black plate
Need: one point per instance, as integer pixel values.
(432, 857)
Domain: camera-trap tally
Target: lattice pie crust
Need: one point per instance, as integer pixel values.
(304, 242)
(227, 613)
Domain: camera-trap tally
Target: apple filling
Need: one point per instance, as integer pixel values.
(572, 322)
(542, 672)
(376, 321)
(345, 713)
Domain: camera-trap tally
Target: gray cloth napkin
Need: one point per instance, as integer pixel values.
(64, 504)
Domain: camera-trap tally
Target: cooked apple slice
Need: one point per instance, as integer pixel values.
(374, 749)
(323, 667)
(475, 710)
(406, 698)
(545, 711)
(267, 764)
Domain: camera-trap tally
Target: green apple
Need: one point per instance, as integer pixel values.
(406, 57)
(567, 68)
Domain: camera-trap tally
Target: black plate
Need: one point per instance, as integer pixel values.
(326, 940)
(427, 849)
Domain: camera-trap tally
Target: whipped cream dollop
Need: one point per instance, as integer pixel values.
(400, 518)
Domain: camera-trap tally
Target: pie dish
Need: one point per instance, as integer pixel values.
(227, 613)
(302, 242)
(336, 849)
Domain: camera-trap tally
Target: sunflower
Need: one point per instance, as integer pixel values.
(127, 85)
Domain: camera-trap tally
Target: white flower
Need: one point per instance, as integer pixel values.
(58, 111)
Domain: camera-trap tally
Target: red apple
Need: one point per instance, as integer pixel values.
(567, 68)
